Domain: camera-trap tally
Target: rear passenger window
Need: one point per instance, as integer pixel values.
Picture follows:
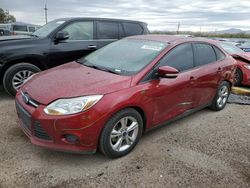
(205, 54)
(107, 30)
(220, 55)
(181, 58)
(121, 31)
(132, 29)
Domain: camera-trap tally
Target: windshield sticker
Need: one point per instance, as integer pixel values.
(60, 22)
(154, 48)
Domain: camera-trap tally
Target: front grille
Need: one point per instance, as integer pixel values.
(40, 132)
(28, 100)
(24, 116)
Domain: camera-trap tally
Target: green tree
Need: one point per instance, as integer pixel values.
(6, 17)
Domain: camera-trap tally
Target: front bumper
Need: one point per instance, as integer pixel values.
(49, 131)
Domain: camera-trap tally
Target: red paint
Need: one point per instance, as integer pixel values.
(158, 99)
(243, 60)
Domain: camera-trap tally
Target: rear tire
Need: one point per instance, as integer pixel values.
(15, 76)
(221, 98)
(121, 133)
(238, 77)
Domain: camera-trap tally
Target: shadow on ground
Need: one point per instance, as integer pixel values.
(4, 95)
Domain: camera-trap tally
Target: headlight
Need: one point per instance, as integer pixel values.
(72, 106)
(247, 66)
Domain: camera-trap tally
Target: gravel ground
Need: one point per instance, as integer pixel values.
(206, 149)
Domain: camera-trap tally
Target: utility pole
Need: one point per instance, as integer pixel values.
(178, 27)
(46, 15)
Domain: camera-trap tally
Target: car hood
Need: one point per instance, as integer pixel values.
(242, 56)
(73, 80)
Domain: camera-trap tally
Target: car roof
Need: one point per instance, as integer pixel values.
(171, 38)
(95, 18)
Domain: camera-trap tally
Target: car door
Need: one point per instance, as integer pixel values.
(80, 43)
(173, 96)
(206, 74)
(107, 32)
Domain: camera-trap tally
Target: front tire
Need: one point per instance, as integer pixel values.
(221, 98)
(16, 75)
(121, 133)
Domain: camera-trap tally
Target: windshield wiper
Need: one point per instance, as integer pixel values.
(101, 68)
(34, 35)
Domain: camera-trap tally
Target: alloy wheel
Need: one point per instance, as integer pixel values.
(20, 77)
(124, 134)
(222, 96)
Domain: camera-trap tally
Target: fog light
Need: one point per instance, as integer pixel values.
(70, 138)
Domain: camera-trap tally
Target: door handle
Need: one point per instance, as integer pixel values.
(219, 70)
(191, 78)
(91, 47)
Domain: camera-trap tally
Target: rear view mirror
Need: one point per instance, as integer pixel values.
(167, 72)
(62, 35)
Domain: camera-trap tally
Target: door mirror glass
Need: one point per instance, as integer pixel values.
(167, 72)
(62, 35)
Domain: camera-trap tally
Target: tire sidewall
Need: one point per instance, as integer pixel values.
(240, 75)
(9, 74)
(108, 150)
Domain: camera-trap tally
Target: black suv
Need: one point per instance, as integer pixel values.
(60, 41)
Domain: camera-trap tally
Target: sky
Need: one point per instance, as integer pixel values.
(202, 15)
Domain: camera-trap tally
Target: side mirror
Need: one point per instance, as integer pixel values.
(167, 72)
(62, 35)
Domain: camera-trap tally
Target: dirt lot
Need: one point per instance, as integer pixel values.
(206, 149)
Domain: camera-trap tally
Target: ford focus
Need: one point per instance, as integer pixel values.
(108, 99)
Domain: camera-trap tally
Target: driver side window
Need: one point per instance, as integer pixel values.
(181, 58)
(80, 30)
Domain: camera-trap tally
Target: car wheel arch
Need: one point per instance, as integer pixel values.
(31, 60)
(137, 108)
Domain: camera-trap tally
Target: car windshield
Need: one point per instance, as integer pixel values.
(48, 28)
(124, 57)
(231, 49)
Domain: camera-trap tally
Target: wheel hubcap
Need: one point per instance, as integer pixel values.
(124, 134)
(222, 96)
(236, 77)
(20, 77)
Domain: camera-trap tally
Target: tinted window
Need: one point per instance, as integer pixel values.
(121, 31)
(204, 54)
(220, 55)
(80, 31)
(132, 29)
(19, 28)
(181, 58)
(32, 29)
(107, 30)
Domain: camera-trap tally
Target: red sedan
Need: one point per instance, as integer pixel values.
(242, 75)
(107, 99)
